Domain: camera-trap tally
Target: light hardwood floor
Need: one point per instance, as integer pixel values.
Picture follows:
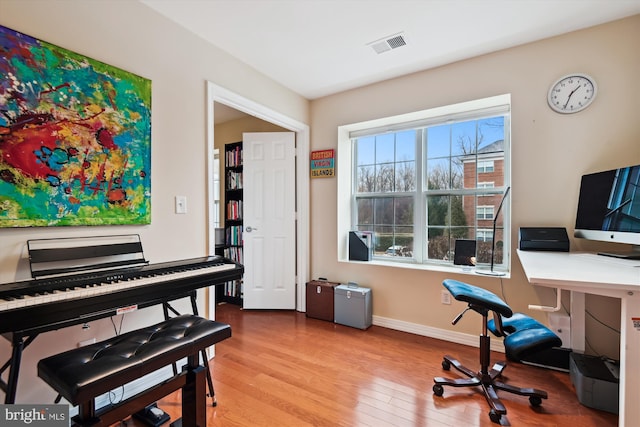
(282, 369)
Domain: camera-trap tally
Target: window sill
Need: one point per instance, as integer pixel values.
(428, 267)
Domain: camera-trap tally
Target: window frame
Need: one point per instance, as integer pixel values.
(471, 110)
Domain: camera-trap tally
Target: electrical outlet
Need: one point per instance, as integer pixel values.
(445, 297)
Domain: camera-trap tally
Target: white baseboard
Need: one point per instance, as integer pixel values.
(441, 334)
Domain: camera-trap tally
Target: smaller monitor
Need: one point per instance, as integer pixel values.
(360, 247)
(609, 208)
(465, 252)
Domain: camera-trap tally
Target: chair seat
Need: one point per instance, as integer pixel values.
(525, 336)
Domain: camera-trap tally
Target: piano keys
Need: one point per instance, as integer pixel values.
(46, 304)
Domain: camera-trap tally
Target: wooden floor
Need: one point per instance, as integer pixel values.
(282, 369)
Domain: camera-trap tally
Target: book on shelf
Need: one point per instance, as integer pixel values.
(234, 253)
(234, 157)
(234, 235)
(234, 180)
(234, 209)
(233, 289)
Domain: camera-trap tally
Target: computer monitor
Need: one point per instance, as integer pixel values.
(609, 208)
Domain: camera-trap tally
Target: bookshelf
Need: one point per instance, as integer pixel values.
(232, 291)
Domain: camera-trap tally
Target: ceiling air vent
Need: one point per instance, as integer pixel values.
(388, 43)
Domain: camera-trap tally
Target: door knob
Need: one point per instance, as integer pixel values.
(249, 229)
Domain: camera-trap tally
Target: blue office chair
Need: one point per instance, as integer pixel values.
(483, 302)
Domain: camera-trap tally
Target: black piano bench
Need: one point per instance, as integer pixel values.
(82, 374)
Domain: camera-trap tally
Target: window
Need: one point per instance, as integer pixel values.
(216, 188)
(485, 166)
(484, 235)
(423, 180)
(484, 212)
(385, 189)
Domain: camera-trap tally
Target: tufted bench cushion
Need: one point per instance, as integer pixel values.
(84, 373)
(524, 336)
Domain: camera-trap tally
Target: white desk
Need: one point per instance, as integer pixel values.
(593, 274)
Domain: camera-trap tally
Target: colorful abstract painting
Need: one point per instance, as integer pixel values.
(75, 138)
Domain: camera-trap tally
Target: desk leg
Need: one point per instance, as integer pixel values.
(577, 321)
(629, 360)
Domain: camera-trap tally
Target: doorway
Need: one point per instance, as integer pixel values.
(218, 95)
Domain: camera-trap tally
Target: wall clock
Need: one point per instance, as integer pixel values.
(572, 93)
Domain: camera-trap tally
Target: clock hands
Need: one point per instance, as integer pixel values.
(571, 94)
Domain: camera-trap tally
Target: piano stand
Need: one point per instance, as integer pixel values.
(82, 374)
(18, 344)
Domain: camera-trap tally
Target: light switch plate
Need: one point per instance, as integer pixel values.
(181, 204)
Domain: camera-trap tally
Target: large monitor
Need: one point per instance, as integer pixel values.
(609, 208)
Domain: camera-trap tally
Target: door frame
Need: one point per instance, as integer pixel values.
(224, 96)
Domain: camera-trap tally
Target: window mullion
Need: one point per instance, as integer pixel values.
(419, 211)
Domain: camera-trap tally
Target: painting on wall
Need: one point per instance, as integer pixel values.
(75, 138)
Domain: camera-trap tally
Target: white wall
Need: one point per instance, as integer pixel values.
(549, 154)
(129, 35)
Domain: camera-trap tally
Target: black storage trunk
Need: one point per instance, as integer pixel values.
(319, 297)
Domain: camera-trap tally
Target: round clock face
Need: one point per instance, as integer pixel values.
(572, 93)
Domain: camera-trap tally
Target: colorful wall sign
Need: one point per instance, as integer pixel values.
(322, 164)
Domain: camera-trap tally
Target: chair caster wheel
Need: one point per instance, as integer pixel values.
(446, 365)
(495, 417)
(535, 400)
(438, 390)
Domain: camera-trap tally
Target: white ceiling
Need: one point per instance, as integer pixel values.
(320, 47)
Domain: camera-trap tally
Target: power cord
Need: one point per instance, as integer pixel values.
(601, 322)
(112, 395)
(504, 298)
(117, 330)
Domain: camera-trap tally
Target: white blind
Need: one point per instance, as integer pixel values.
(488, 107)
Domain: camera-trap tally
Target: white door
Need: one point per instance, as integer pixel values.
(269, 220)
